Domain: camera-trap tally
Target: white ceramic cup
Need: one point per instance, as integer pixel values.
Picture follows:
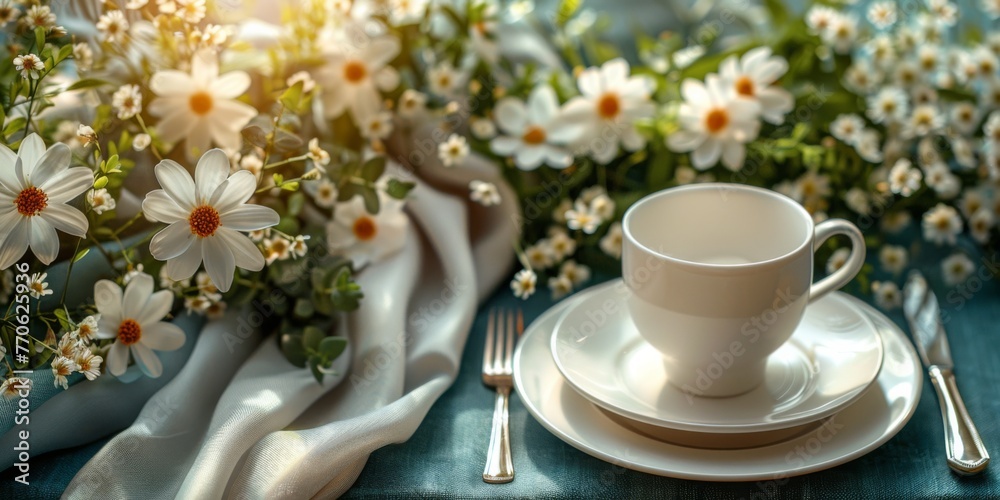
(720, 276)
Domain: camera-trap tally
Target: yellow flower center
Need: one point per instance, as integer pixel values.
(129, 332)
(716, 120)
(31, 201)
(204, 221)
(744, 86)
(608, 106)
(534, 135)
(201, 103)
(365, 228)
(355, 71)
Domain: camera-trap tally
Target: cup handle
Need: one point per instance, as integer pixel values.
(840, 277)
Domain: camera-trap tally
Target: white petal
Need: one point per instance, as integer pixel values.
(66, 219)
(231, 85)
(386, 79)
(770, 71)
(156, 308)
(15, 238)
(380, 51)
(118, 359)
(684, 141)
(177, 183)
(219, 262)
(733, 154)
(198, 139)
(247, 254)
(632, 140)
(164, 106)
(505, 146)
(614, 73)
(184, 266)
(234, 114)
(162, 336)
(529, 157)
(204, 67)
(694, 92)
(31, 150)
(234, 191)
(249, 218)
(43, 240)
(108, 299)
(543, 105)
(707, 155)
(137, 293)
(171, 83)
(511, 116)
(176, 125)
(223, 134)
(172, 241)
(68, 184)
(589, 82)
(161, 207)
(147, 360)
(212, 170)
(7, 177)
(557, 157)
(54, 160)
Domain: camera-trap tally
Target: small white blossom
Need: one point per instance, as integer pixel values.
(942, 224)
(893, 258)
(62, 367)
(453, 151)
(581, 217)
(141, 142)
(128, 101)
(848, 128)
(37, 286)
(113, 26)
(29, 65)
(956, 268)
(560, 286)
(904, 179)
(100, 200)
(887, 295)
(837, 259)
(484, 193)
(611, 243)
(980, 225)
(523, 283)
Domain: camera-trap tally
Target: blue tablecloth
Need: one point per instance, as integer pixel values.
(445, 457)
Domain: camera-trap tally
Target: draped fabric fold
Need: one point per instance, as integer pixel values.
(239, 421)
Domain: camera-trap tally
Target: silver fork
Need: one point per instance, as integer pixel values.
(498, 372)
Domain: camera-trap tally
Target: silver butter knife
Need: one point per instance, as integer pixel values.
(965, 449)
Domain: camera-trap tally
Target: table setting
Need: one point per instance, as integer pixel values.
(480, 248)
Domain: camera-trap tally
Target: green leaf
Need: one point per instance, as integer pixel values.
(292, 97)
(255, 136)
(566, 10)
(287, 141)
(347, 294)
(371, 200)
(86, 83)
(373, 169)
(314, 363)
(15, 126)
(81, 254)
(399, 189)
(100, 182)
(331, 347)
(291, 345)
(40, 37)
(311, 337)
(303, 309)
(64, 52)
(290, 186)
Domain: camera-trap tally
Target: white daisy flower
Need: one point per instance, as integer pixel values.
(453, 151)
(889, 105)
(68, 346)
(277, 248)
(956, 268)
(940, 178)
(881, 49)
(86, 134)
(308, 84)
(298, 246)
(113, 27)
(904, 179)
(837, 259)
(35, 186)
(135, 4)
(317, 154)
(559, 213)
(857, 200)
(128, 101)
(611, 243)
(895, 222)
(325, 193)
(907, 74)
(860, 77)
(484, 193)
(367, 238)
(403, 12)
(848, 128)
(38, 16)
(191, 11)
(980, 224)
(989, 94)
(986, 61)
(141, 141)
(577, 274)
(540, 255)
(943, 11)
(752, 77)
(882, 14)
(62, 367)
(88, 363)
(135, 320)
(87, 329)
(29, 65)
(482, 128)
(205, 217)
(528, 131)
(924, 120)
(560, 286)
(582, 218)
(841, 33)
(8, 14)
(942, 224)
(893, 258)
(561, 244)
(523, 283)
(991, 132)
(820, 18)
(377, 126)
(412, 104)
(887, 295)
(964, 117)
(445, 80)
(869, 146)
(201, 107)
(603, 117)
(714, 124)
(354, 78)
(9, 387)
(100, 200)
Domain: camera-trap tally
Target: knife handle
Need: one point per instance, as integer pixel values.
(965, 449)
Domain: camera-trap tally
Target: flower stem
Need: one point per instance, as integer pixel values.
(69, 271)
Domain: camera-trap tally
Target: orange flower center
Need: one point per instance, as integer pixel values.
(201, 103)
(608, 106)
(355, 71)
(365, 228)
(204, 221)
(716, 120)
(534, 135)
(31, 201)
(744, 86)
(129, 332)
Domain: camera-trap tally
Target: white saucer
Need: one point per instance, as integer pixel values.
(858, 429)
(829, 362)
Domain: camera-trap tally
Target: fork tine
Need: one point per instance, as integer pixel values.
(520, 323)
(508, 358)
(488, 351)
(498, 353)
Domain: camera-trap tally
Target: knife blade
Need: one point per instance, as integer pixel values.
(965, 450)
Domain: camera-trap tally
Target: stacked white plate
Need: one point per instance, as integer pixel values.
(844, 384)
